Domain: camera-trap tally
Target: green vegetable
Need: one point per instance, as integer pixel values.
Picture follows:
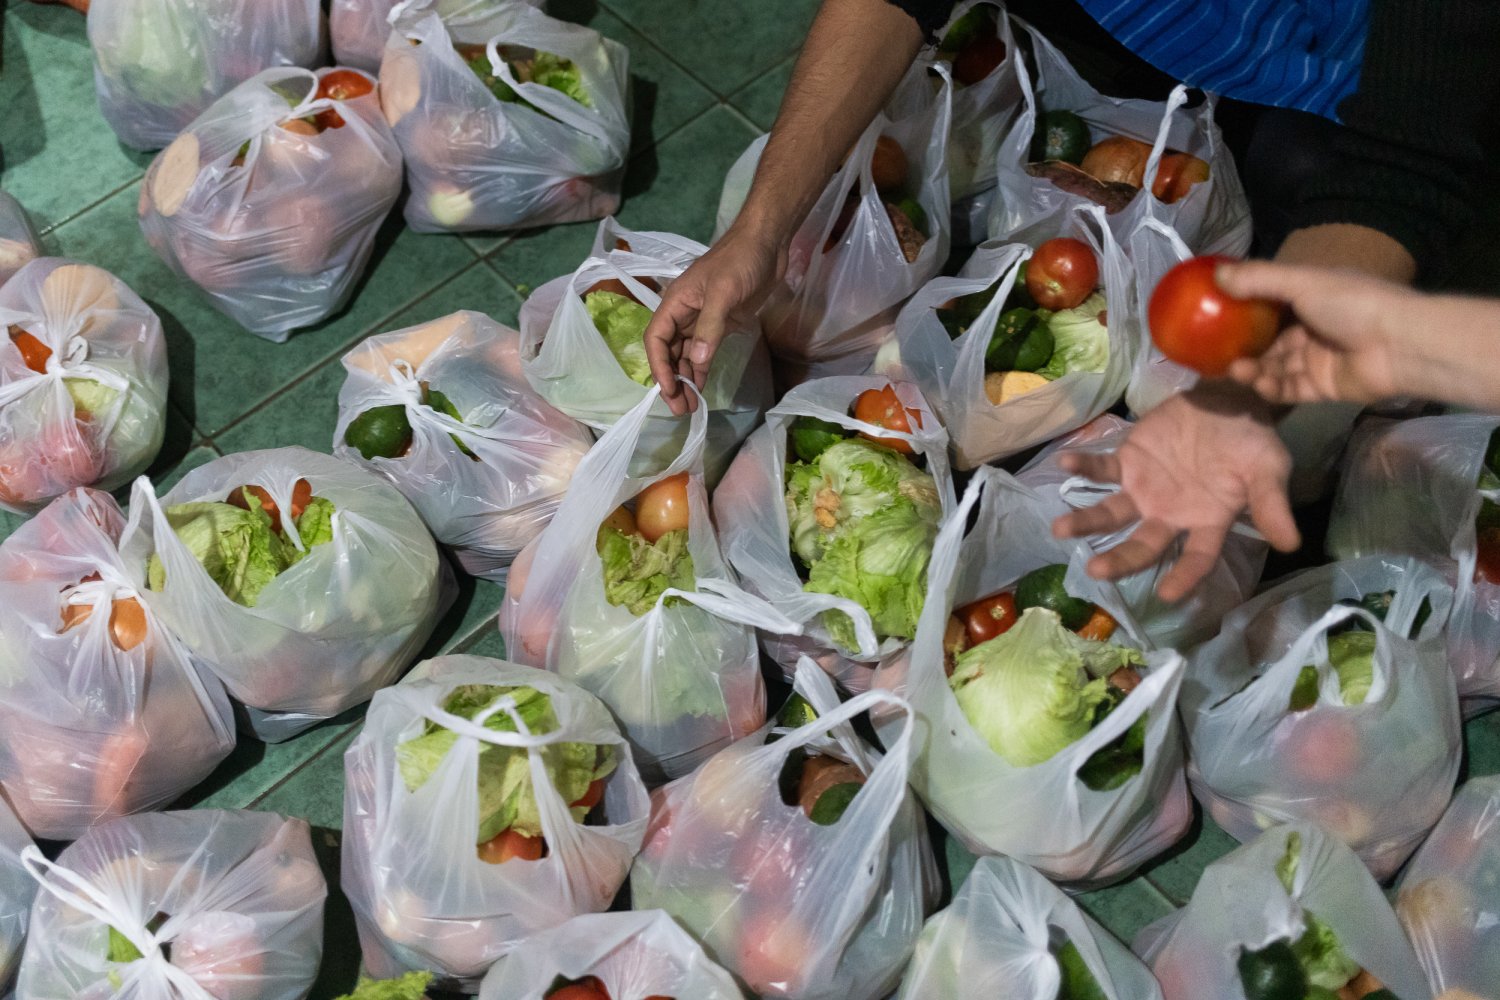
(1081, 339)
(1118, 761)
(1304, 691)
(622, 323)
(121, 950)
(90, 398)
(977, 21)
(479, 63)
(881, 563)
(1321, 956)
(1272, 973)
(412, 986)
(1022, 342)
(851, 480)
(380, 432)
(1036, 689)
(441, 403)
(1352, 656)
(830, 807)
(1078, 982)
(810, 437)
(638, 572)
(1378, 603)
(1043, 588)
(561, 75)
(964, 311)
(914, 212)
(507, 800)
(156, 55)
(315, 526)
(1060, 135)
(796, 713)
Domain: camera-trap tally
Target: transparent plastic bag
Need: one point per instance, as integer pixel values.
(1412, 487)
(19, 244)
(1240, 903)
(1042, 815)
(1155, 248)
(358, 29)
(326, 633)
(754, 533)
(1376, 774)
(637, 955)
(569, 363)
(684, 677)
(476, 162)
(17, 889)
(1448, 900)
(159, 63)
(422, 897)
(793, 908)
(219, 905)
(995, 939)
(488, 507)
(103, 711)
(272, 218)
(95, 414)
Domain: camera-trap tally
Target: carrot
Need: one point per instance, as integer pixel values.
(1099, 627)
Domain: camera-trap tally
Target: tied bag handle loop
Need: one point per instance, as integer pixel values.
(1302, 651)
(1177, 99)
(730, 603)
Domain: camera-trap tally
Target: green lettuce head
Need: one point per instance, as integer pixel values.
(851, 480)
(1037, 688)
(561, 75)
(412, 986)
(1080, 341)
(622, 321)
(880, 562)
(1352, 655)
(637, 572)
(1318, 950)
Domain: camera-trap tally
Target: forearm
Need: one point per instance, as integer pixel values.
(1449, 348)
(1351, 247)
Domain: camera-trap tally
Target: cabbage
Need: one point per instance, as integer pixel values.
(1352, 655)
(850, 480)
(561, 75)
(1322, 957)
(637, 572)
(412, 986)
(1080, 341)
(90, 398)
(157, 54)
(622, 321)
(1037, 688)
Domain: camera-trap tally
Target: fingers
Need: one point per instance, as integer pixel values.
(1271, 513)
(663, 338)
(1095, 467)
(1200, 553)
(708, 330)
(1265, 280)
(1142, 549)
(1110, 514)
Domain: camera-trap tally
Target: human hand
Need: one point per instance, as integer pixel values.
(731, 279)
(1190, 466)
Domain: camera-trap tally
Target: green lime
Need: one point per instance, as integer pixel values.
(1043, 588)
(915, 214)
(1024, 344)
(1272, 973)
(437, 401)
(1060, 135)
(380, 432)
(829, 808)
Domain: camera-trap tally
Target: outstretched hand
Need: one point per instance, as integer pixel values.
(1190, 467)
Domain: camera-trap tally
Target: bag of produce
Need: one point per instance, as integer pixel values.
(1430, 488)
(1010, 933)
(636, 604)
(188, 905)
(271, 199)
(877, 233)
(798, 855)
(17, 889)
(83, 383)
(19, 244)
(159, 63)
(1449, 896)
(1010, 362)
(610, 956)
(358, 29)
(1059, 742)
(508, 119)
(103, 712)
(831, 517)
(582, 349)
(1292, 913)
(1196, 617)
(1155, 248)
(483, 803)
(303, 582)
(1071, 145)
(1326, 700)
(445, 413)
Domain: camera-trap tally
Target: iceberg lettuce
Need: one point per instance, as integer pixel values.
(1080, 339)
(637, 572)
(622, 322)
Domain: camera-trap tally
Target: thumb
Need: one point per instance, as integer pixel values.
(708, 331)
(1259, 279)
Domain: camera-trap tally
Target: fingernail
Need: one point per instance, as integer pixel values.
(699, 353)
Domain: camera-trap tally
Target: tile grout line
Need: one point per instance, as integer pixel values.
(317, 754)
(54, 227)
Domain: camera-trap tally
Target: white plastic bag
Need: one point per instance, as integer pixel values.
(1155, 248)
(1193, 619)
(275, 225)
(793, 908)
(637, 955)
(488, 507)
(18, 241)
(103, 712)
(326, 633)
(1411, 487)
(219, 905)
(751, 512)
(476, 162)
(17, 889)
(1376, 774)
(358, 29)
(1042, 815)
(951, 372)
(1449, 897)
(1240, 903)
(996, 937)
(83, 397)
(684, 677)
(159, 63)
(422, 897)
(568, 362)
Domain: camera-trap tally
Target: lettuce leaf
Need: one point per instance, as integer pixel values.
(880, 562)
(412, 986)
(315, 526)
(561, 75)
(90, 398)
(1080, 340)
(1352, 655)
(850, 480)
(637, 572)
(622, 323)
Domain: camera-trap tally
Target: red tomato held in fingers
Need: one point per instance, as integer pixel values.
(882, 407)
(508, 845)
(1194, 323)
(33, 352)
(662, 507)
(1062, 273)
(1176, 174)
(988, 617)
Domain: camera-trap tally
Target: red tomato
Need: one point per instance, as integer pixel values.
(622, 520)
(33, 352)
(593, 796)
(301, 497)
(508, 845)
(340, 85)
(978, 59)
(988, 617)
(841, 223)
(1119, 159)
(588, 988)
(1487, 568)
(1177, 173)
(882, 407)
(1196, 324)
(662, 507)
(888, 165)
(618, 287)
(1062, 273)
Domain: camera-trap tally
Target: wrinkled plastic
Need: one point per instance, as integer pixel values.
(1240, 903)
(422, 898)
(792, 908)
(358, 29)
(1410, 488)
(994, 940)
(683, 678)
(242, 896)
(1042, 815)
(637, 954)
(96, 329)
(951, 372)
(1378, 774)
(346, 620)
(88, 730)
(1155, 248)
(568, 362)
(278, 241)
(159, 63)
(475, 162)
(487, 508)
(19, 244)
(755, 536)
(17, 889)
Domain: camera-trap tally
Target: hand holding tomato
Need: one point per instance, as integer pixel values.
(1062, 273)
(1196, 324)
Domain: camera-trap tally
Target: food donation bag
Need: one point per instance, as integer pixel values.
(1155, 248)
(17, 889)
(358, 29)
(19, 245)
